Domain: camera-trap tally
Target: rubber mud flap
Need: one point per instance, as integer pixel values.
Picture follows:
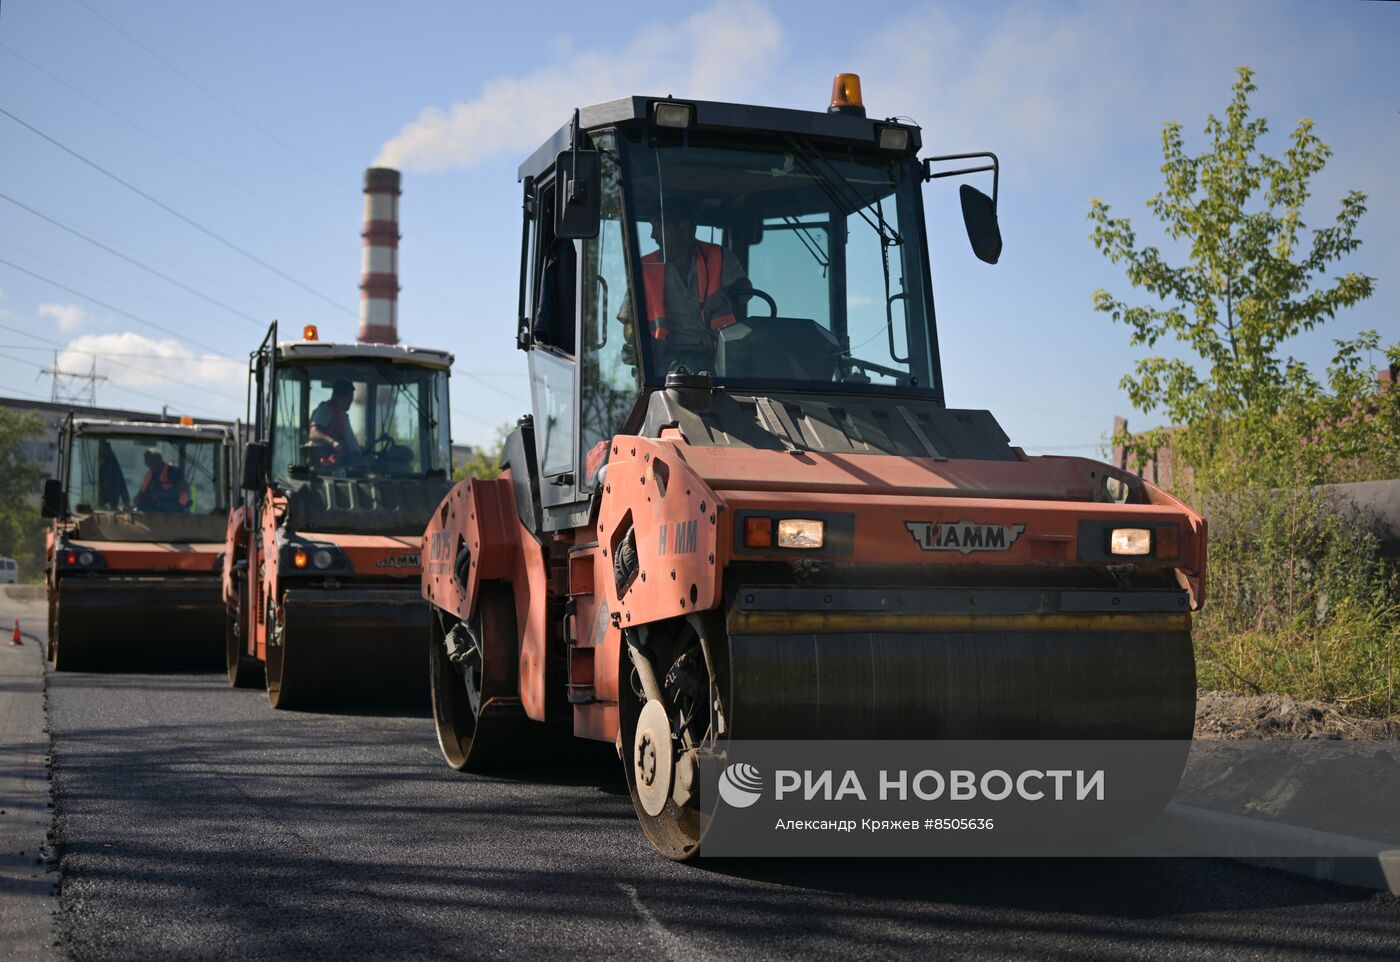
(137, 624)
(350, 648)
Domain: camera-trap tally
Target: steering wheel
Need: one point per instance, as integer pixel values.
(381, 445)
(761, 295)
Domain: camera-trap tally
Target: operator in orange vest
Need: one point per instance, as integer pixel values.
(690, 290)
(164, 487)
(330, 424)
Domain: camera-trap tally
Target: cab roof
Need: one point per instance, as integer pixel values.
(211, 432)
(355, 351)
(711, 115)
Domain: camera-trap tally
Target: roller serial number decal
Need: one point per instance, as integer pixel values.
(963, 537)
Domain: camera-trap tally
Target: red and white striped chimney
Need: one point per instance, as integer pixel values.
(379, 276)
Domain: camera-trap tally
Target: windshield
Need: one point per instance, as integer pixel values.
(147, 474)
(359, 419)
(796, 265)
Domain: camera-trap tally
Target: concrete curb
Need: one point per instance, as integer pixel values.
(1341, 859)
(28, 873)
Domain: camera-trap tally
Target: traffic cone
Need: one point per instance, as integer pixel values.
(15, 638)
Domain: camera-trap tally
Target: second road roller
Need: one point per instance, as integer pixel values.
(351, 452)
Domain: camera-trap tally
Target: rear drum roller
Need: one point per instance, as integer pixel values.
(243, 671)
(474, 679)
(73, 653)
(666, 719)
(280, 694)
(53, 630)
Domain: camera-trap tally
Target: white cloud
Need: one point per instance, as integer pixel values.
(1032, 83)
(67, 317)
(129, 359)
(718, 52)
(1053, 87)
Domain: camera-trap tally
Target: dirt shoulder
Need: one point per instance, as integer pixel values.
(1225, 715)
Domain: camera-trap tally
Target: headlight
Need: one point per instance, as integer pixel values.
(1130, 541)
(800, 533)
(894, 138)
(299, 558)
(322, 558)
(672, 115)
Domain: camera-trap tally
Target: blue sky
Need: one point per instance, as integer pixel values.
(256, 121)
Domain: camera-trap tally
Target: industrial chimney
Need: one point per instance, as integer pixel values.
(379, 277)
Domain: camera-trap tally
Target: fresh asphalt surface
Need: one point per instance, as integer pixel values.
(194, 822)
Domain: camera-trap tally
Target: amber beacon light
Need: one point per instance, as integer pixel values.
(845, 95)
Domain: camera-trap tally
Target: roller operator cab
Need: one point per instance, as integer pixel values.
(350, 453)
(135, 548)
(742, 507)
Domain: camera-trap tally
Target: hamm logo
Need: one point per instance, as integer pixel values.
(964, 537)
(399, 561)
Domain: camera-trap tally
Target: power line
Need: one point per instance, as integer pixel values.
(133, 262)
(175, 213)
(11, 389)
(116, 310)
(210, 94)
(431, 251)
(472, 417)
(133, 367)
(174, 148)
(435, 252)
(204, 359)
(491, 387)
(126, 288)
(119, 387)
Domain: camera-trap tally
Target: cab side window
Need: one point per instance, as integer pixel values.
(556, 281)
(610, 381)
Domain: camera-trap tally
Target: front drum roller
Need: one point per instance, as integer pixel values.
(347, 647)
(474, 678)
(136, 623)
(884, 685)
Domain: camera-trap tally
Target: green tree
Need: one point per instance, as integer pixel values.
(1301, 601)
(486, 461)
(1250, 280)
(21, 527)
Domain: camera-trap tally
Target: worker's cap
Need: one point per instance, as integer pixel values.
(153, 454)
(676, 210)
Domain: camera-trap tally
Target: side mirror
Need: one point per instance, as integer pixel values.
(52, 504)
(578, 186)
(980, 218)
(254, 465)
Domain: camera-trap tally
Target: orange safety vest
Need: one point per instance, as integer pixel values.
(167, 484)
(715, 309)
(337, 428)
